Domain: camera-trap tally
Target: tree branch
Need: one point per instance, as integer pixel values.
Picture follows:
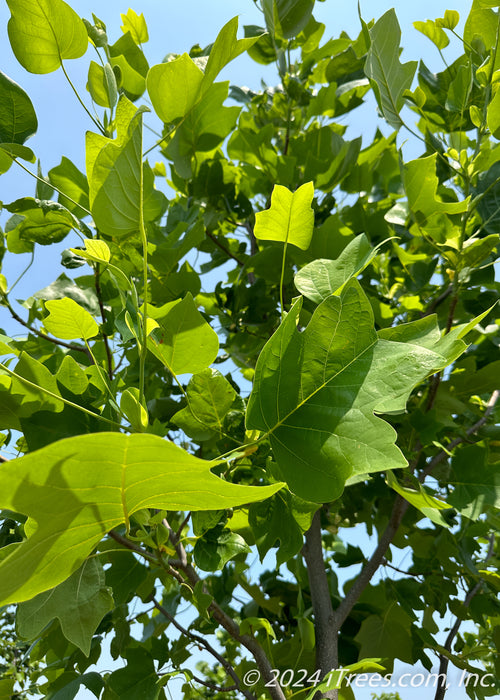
(35, 331)
(222, 247)
(201, 641)
(326, 633)
(227, 622)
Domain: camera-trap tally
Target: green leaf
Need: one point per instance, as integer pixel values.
(41, 221)
(68, 320)
(218, 546)
(476, 482)
(420, 499)
(137, 680)
(460, 90)
(79, 603)
(6, 689)
(131, 64)
(315, 392)
(65, 287)
(210, 396)
(290, 218)
(184, 341)
(449, 21)
(17, 115)
(493, 115)
(434, 32)
(488, 187)
(282, 518)
(133, 409)
(291, 15)
(174, 87)
(115, 172)
(78, 489)
(43, 33)
(136, 25)
(67, 178)
(389, 78)
(225, 48)
(322, 277)
(481, 24)
(101, 84)
(387, 635)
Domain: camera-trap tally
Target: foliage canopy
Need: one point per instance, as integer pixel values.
(271, 336)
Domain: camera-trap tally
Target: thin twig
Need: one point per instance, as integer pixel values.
(201, 641)
(222, 247)
(35, 331)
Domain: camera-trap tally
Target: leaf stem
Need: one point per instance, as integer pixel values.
(282, 305)
(98, 124)
(142, 231)
(23, 272)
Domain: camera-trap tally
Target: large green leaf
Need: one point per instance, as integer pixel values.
(315, 393)
(388, 76)
(290, 218)
(17, 115)
(475, 481)
(386, 635)
(43, 33)
(184, 341)
(79, 603)
(114, 170)
(78, 489)
(322, 277)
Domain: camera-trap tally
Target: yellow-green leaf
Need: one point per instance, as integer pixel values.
(78, 489)
(290, 218)
(68, 320)
(136, 25)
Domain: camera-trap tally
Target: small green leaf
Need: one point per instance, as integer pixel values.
(67, 178)
(82, 487)
(449, 21)
(101, 84)
(184, 341)
(43, 33)
(17, 115)
(131, 65)
(212, 551)
(95, 250)
(434, 32)
(136, 25)
(134, 411)
(320, 278)
(388, 76)
(420, 499)
(79, 603)
(290, 218)
(68, 320)
(493, 115)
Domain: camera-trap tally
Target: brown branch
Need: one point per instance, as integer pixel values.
(132, 546)
(222, 247)
(109, 357)
(326, 633)
(364, 578)
(444, 660)
(35, 331)
(437, 302)
(227, 622)
(201, 641)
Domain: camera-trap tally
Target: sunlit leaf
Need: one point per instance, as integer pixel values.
(68, 320)
(78, 489)
(290, 219)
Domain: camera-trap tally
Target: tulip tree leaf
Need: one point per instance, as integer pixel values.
(174, 87)
(316, 392)
(78, 489)
(43, 33)
(320, 278)
(67, 178)
(79, 603)
(17, 115)
(290, 218)
(68, 320)
(136, 25)
(115, 173)
(475, 481)
(389, 77)
(226, 48)
(184, 341)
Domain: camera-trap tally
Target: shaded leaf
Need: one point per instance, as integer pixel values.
(388, 76)
(387, 635)
(43, 33)
(218, 546)
(78, 489)
(17, 115)
(476, 482)
(315, 392)
(79, 603)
